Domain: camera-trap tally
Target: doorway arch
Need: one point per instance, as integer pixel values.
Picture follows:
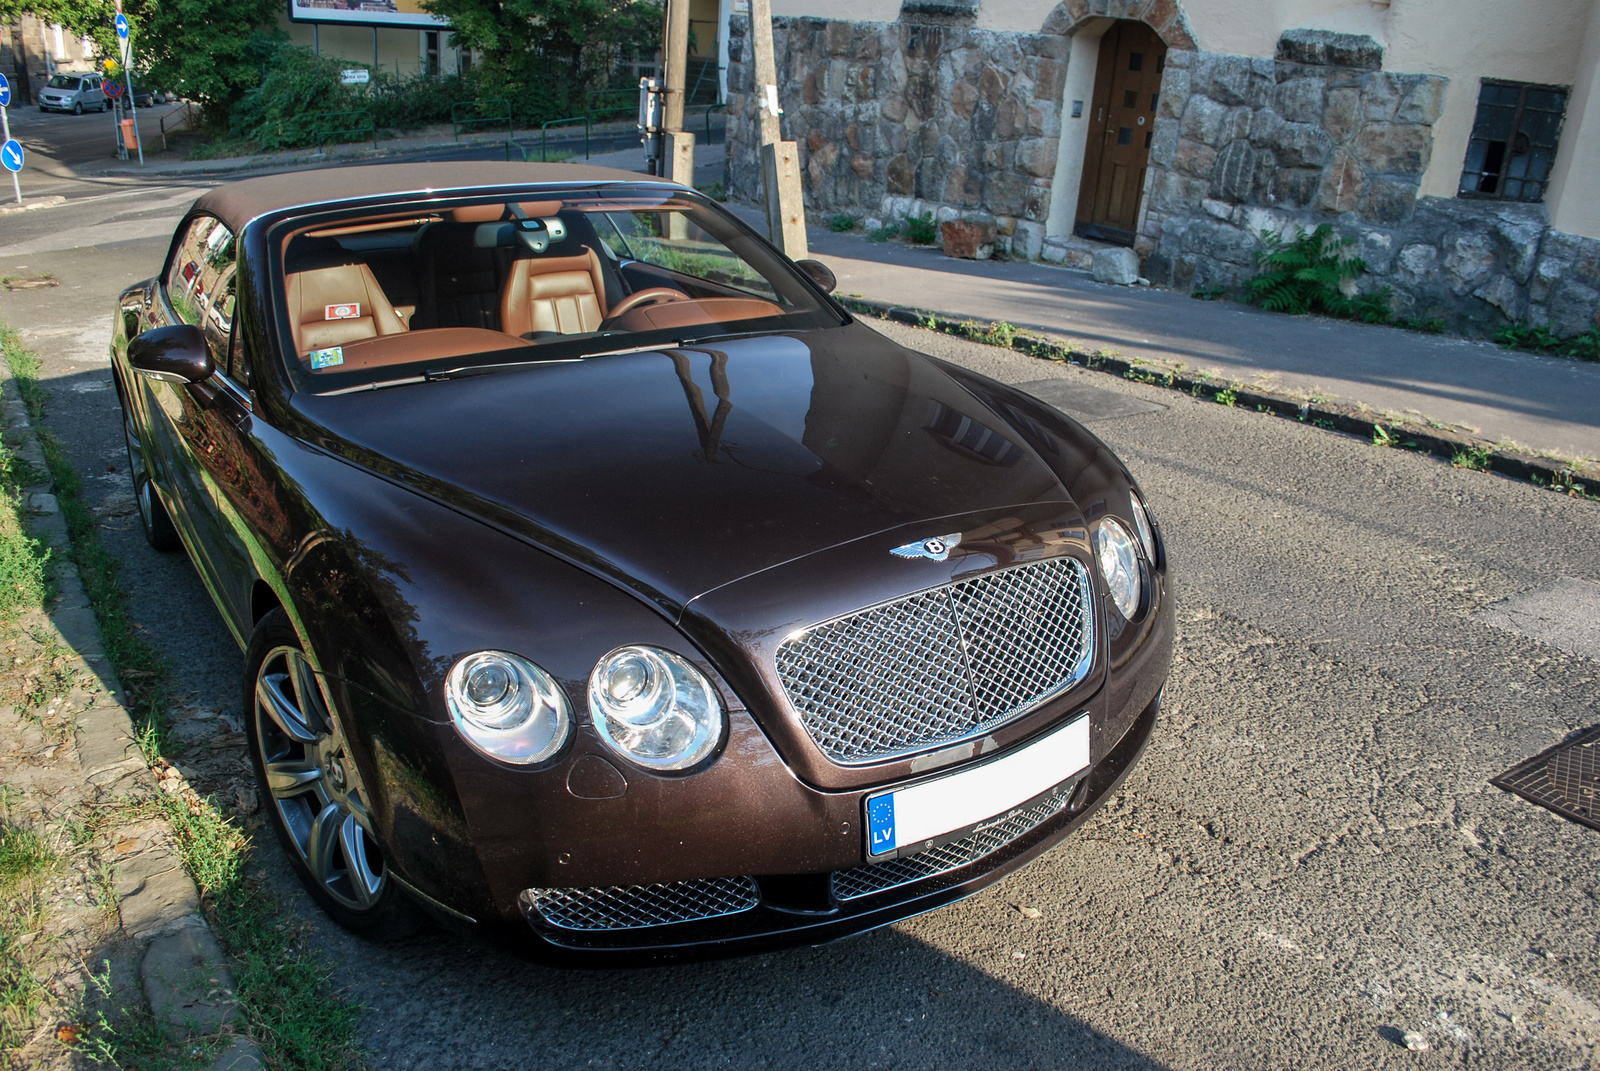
(1086, 183)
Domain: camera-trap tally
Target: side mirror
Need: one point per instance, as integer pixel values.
(819, 273)
(177, 354)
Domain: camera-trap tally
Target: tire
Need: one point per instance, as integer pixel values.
(77, 109)
(104, 105)
(311, 790)
(159, 531)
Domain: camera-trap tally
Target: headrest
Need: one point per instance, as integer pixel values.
(494, 211)
(308, 254)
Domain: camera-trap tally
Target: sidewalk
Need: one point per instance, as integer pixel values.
(1543, 404)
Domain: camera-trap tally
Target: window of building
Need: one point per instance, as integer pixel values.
(1514, 138)
(430, 52)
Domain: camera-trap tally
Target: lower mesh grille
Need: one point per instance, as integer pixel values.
(866, 880)
(632, 907)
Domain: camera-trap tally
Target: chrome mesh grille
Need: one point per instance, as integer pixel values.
(866, 880)
(940, 665)
(632, 907)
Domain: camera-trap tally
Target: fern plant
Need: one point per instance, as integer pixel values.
(1314, 272)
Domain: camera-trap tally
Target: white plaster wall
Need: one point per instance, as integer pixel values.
(853, 10)
(1081, 64)
(1468, 40)
(1574, 196)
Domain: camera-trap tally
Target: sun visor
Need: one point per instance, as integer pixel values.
(494, 211)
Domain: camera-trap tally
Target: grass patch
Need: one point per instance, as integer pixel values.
(922, 230)
(1585, 347)
(282, 985)
(884, 233)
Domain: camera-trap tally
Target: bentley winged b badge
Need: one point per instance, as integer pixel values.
(936, 549)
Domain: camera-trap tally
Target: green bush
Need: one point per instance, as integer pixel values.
(1311, 273)
(1585, 347)
(841, 223)
(922, 230)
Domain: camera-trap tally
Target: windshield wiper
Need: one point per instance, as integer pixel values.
(701, 340)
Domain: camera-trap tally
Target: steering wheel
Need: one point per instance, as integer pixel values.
(651, 296)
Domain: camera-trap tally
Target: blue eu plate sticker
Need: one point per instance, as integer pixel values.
(880, 824)
(327, 358)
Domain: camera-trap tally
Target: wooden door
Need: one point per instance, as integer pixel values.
(1122, 123)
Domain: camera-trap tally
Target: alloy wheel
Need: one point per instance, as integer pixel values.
(313, 782)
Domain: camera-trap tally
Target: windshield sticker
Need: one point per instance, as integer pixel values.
(348, 311)
(326, 358)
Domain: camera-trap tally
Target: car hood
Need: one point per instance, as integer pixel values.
(678, 471)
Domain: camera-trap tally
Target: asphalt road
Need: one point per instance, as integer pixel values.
(1308, 864)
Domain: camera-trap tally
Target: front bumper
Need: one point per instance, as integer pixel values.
(818, 908)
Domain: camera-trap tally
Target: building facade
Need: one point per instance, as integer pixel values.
(31, 50)
(1457, 141)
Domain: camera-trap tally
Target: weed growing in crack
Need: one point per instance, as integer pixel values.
(1473, 457)
(1227, 397)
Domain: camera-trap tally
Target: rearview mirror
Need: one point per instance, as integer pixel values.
(178, 354)
(819, 273)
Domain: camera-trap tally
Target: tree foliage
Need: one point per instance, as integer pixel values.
(550, 53)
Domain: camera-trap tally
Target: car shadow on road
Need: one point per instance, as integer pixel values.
(884, 999)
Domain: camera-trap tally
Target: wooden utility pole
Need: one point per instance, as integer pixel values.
(678, 145)
(780, 160)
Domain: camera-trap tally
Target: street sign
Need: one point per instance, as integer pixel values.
(5, 92)
(113, 89)
(357, 76)
(122, 26)
(11, 155)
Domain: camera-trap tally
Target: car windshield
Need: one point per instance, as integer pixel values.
(62, 81)
(443, 288)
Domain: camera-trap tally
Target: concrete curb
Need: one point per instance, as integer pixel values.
(184, 974)
(43, 202)
(1403, 433)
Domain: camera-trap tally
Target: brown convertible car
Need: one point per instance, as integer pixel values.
(604, 583)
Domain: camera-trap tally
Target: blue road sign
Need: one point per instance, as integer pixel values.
(122, 27)
(5, 92)
(11, 155)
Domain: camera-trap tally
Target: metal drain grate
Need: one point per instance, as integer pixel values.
(1565, 779)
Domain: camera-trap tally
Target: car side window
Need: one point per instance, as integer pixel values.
(203, 257)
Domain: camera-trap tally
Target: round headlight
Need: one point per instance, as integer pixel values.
(1147, 532)
(1119, 565)
(507, 707)
(654, 708)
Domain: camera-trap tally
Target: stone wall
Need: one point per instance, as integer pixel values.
(920, 114)
(1322, 134)
(931, 114)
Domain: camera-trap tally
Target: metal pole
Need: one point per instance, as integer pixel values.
(5, 127)
(133, 111)
(374, 46)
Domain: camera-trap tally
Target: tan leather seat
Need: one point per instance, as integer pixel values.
(566, 295)
(338, 304)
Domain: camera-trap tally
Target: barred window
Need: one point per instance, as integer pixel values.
(1514, 140)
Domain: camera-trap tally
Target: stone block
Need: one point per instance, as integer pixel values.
(187, 982)
(1301, 100)
(1377, 252)
(1342, 114)
(1194, 158)
(154, 892)
(1174, 93)
(1468, 261)
(1418, 260)
(1519, 241)
(1388, 201)
(1119, 267)
(1295, 187)
(1037, 156)
(1223, 78)
(1164, 142)
(1400, 148)
(1424, 103)
(1327, 48)
(1572, 308)
(1264, 124)
(1205, 120)
(1504, 295)
(1027, 239)
(1233, 177)
(1044, 119)
(1053, 252)
(1302, 145)
(1380, 96)
(241, 1054)
(900, 175)
(1217, 209)
(968, 239)
(1212, 240)
(1342, 184)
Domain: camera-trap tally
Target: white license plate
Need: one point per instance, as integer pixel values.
(928, 811)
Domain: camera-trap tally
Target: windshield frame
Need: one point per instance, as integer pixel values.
(743, 241)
